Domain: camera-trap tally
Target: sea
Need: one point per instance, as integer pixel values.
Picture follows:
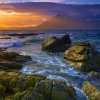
(51, 65)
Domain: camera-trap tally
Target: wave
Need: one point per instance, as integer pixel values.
(11, 44)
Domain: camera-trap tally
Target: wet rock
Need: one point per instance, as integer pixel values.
(12, 60)
(65, 39)
(10, 65)
(94, 75)
(54, 44)
(91, 91)
(34, 87)
(33, 96)
(83, 56)
(55, 90)
(13, 56)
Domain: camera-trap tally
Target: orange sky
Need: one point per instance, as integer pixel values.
(12, 19)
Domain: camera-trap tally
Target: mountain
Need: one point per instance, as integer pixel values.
(60, 22)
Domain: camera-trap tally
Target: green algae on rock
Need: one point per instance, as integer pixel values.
(83, 56)
(91, 91)
(35, 87)
(12, 60)
(94, 75)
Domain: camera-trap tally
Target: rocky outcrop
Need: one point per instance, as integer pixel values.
(54, 44)
(33, 87)
(83, 56)
(12, 60)
(91, 91)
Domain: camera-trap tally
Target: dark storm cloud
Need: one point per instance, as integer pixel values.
(50, 9)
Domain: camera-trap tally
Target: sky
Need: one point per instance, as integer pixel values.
(30, 13)
(57, 1)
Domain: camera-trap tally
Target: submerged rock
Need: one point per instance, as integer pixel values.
(83, 56)
(54, 44)
(91, 91)
(33, 87)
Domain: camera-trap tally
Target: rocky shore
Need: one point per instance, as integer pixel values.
(82, 55)
(15, 85)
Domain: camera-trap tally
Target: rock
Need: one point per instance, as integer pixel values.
(91, 91)
(34, 87)
(13, 56)
(33, 96)
(94, 75)
(65, 39)
(54, 44)
(55, 90)
(12, 60)
(83, 56)
(10, 65)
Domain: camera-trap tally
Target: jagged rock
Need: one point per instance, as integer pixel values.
(83, 56)
(94, 75)
(91, 91)
(65, 39)
(54, 44)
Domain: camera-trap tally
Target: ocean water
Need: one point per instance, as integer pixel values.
(51, 64)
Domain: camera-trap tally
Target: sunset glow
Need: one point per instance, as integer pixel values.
(30, 14)
(10, 19)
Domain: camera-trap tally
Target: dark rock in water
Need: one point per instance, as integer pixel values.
(5, 38)
(54, 44)
(83, 57)
(25, 34)
(12, 60)
(33, 87)
(21, 37)
(94, 75)
(65, 39)
(91, 91)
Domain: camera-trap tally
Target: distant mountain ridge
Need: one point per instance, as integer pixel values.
(60, 22)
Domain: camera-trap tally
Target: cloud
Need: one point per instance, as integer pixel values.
(49, 9)
(6, 6)
(57, 1)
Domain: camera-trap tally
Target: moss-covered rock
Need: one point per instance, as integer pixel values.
(10, 65)
(55, 90)
(33, 96)
(91, 91)
(94, 75)
(12, 60)
(83, 56)
(33, 87)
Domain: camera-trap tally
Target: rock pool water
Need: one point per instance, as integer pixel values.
(52, 64)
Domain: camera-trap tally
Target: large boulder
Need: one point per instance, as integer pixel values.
(55, 90)
(54, 44)
(83, 56)
(92, 92)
